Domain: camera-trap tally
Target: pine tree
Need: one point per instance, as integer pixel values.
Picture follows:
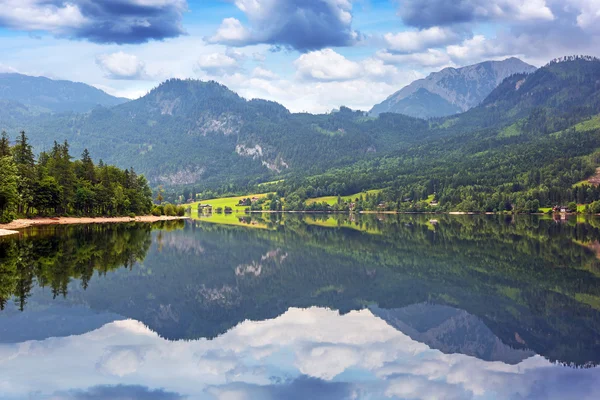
(4, 145)
(9, 195)
(25, 162)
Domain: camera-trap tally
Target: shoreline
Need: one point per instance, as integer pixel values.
(12, 227)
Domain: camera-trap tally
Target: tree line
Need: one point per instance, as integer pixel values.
(55, 184)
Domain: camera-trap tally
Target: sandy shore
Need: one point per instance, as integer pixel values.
(9, 229)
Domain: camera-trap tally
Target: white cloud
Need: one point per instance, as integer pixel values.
(230, 31)
(263, 73)
(7, 69)
(589, 14)
(218, 63)
(414, 41)
(326, 65)
(121, 65)
(38, 15)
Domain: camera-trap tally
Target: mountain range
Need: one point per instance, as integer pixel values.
(189, 132)
(451, 90)
(42, 95)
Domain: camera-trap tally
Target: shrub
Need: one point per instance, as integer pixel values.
(131, 215)
(219, 210)
(157, 212)
(228, 210)
(170, 210)
(180, 211)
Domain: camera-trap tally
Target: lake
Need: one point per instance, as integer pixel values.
(303, 307)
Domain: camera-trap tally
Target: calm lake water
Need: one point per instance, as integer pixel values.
(303, 307)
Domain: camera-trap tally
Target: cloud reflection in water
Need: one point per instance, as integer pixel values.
(305, 353)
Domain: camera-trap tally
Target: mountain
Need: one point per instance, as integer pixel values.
(528, 145)
(40, 94)
(451, 90)
(194, 132)
(531, 138)
(450, 330)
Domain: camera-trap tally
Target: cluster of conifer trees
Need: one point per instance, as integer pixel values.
(56, 185)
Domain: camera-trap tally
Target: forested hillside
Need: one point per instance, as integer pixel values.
(191, 132)
(524, 147)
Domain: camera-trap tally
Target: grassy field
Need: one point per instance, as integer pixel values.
(227, 202)
(588, 125)
(270, 183)
(235, 218)
(331, 200)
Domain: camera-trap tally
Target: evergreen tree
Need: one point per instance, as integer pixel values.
(4, 145)
(25, 163)
(9, 194)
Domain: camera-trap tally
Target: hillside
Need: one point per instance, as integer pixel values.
(525, 142)
(194, 132)
(526, 146)
(40, 94)
(451, 90)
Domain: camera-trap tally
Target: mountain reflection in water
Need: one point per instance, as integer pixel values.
(307, 307)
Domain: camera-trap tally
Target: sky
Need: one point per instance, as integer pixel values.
(309, 55)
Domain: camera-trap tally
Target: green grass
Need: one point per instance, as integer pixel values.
(510, 131)
(227, 219)
(448, 123)
(270, 183)
(327, 132)
(587, 125)
(331, 200)
(227, 202)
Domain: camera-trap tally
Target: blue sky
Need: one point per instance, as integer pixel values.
(310, 55)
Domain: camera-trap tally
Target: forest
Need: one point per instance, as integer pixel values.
(53, 184)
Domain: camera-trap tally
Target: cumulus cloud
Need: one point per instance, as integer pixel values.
(121, 65)
(329, 66)
(413, 41)
(429, 13)
(216, 64)
(117, 21)
(298, 24)
(326, 65)
(263, 73)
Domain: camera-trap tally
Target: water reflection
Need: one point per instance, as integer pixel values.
(376, 306)
(304, 353)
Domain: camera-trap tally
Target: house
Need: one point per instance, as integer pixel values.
(560, 209)
(254, 199)
(433, 203)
